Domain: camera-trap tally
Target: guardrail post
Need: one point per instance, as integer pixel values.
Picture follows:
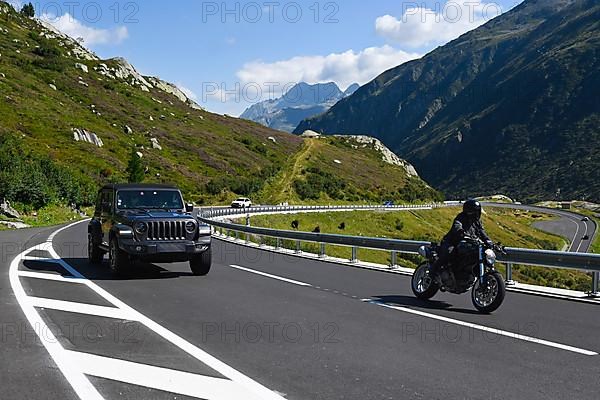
(509, 275)
(277, 243)
(298, 247)
(354, 255)
(394, 263)
(595, 284)
(322, 252)
(247, 224)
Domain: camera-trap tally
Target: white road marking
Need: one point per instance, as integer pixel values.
(75, 373)
(80, 308)
(576, 233)
(485, 328)
(271, 276)
(34, 258)
(49, 277)
(79, 382)
(585, 234)
(168, 380)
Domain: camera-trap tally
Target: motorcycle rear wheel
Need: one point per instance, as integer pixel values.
(488, 297)
(422, 284)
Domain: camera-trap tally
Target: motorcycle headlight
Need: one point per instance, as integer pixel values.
(190, 227)
(490, 256)
(140, 227)
(423, 251)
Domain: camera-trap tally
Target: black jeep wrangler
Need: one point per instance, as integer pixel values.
(148, 223)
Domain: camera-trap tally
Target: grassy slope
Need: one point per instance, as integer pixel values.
(368, 177)
(197, 146)
(510, 227)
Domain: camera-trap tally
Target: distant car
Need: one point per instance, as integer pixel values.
(585, 219)
(388, 204)
(586, 237)
(242, 202)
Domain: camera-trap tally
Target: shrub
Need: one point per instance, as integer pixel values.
(36, 181)
(399, 225)
(135, 169)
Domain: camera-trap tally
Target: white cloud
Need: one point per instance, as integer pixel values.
(420, 26)
(188, 92)
(68, 25)
(342, 68)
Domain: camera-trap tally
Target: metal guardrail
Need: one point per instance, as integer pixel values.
(543, 258)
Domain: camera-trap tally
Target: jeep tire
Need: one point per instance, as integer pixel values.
(201, 264)
(95, 254)
(117, 259)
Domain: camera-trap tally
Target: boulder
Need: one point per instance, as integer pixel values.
(127, 129)
(272, 139)
(53, 86)
(14, 225)
(155, 144)
(7, 210)
(81, 135)
(310, 134)
(82, 67)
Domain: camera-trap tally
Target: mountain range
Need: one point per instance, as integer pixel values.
(71, 119)
(509, 107)
(300, 102)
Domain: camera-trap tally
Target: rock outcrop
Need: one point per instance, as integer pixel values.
(81, 135)
(387, 155)
(7, 210)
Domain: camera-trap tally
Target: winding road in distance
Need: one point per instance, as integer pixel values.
(569, 225)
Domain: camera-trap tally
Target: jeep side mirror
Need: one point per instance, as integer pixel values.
(189, 207)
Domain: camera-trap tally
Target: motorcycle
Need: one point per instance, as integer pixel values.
(471, 267)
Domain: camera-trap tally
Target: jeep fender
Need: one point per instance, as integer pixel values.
(121, 231)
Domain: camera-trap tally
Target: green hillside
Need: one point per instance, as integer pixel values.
(53, 89)
(509, 107)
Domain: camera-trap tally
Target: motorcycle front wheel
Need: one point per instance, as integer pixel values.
(487, 297)
(422, 284)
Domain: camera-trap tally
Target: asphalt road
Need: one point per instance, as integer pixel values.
(269, 326)
(568, 225)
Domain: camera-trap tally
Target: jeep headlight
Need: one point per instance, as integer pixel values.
(190, 227)
(490, 256)
(140, 228)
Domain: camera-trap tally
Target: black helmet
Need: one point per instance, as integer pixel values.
(472, 208)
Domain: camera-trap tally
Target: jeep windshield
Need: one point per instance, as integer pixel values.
(149, 200)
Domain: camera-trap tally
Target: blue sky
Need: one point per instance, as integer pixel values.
(230, 54)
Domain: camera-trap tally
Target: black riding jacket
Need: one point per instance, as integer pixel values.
(464, 225)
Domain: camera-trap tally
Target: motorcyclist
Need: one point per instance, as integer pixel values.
(467, 223)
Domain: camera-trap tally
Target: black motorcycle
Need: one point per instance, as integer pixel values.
(471, 267)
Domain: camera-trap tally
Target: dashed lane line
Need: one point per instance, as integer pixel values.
(252, 271)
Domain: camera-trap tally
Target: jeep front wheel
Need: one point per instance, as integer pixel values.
(117, 258)
(200, 265)
(95, 254)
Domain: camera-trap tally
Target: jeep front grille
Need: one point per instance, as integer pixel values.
(166, 230)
